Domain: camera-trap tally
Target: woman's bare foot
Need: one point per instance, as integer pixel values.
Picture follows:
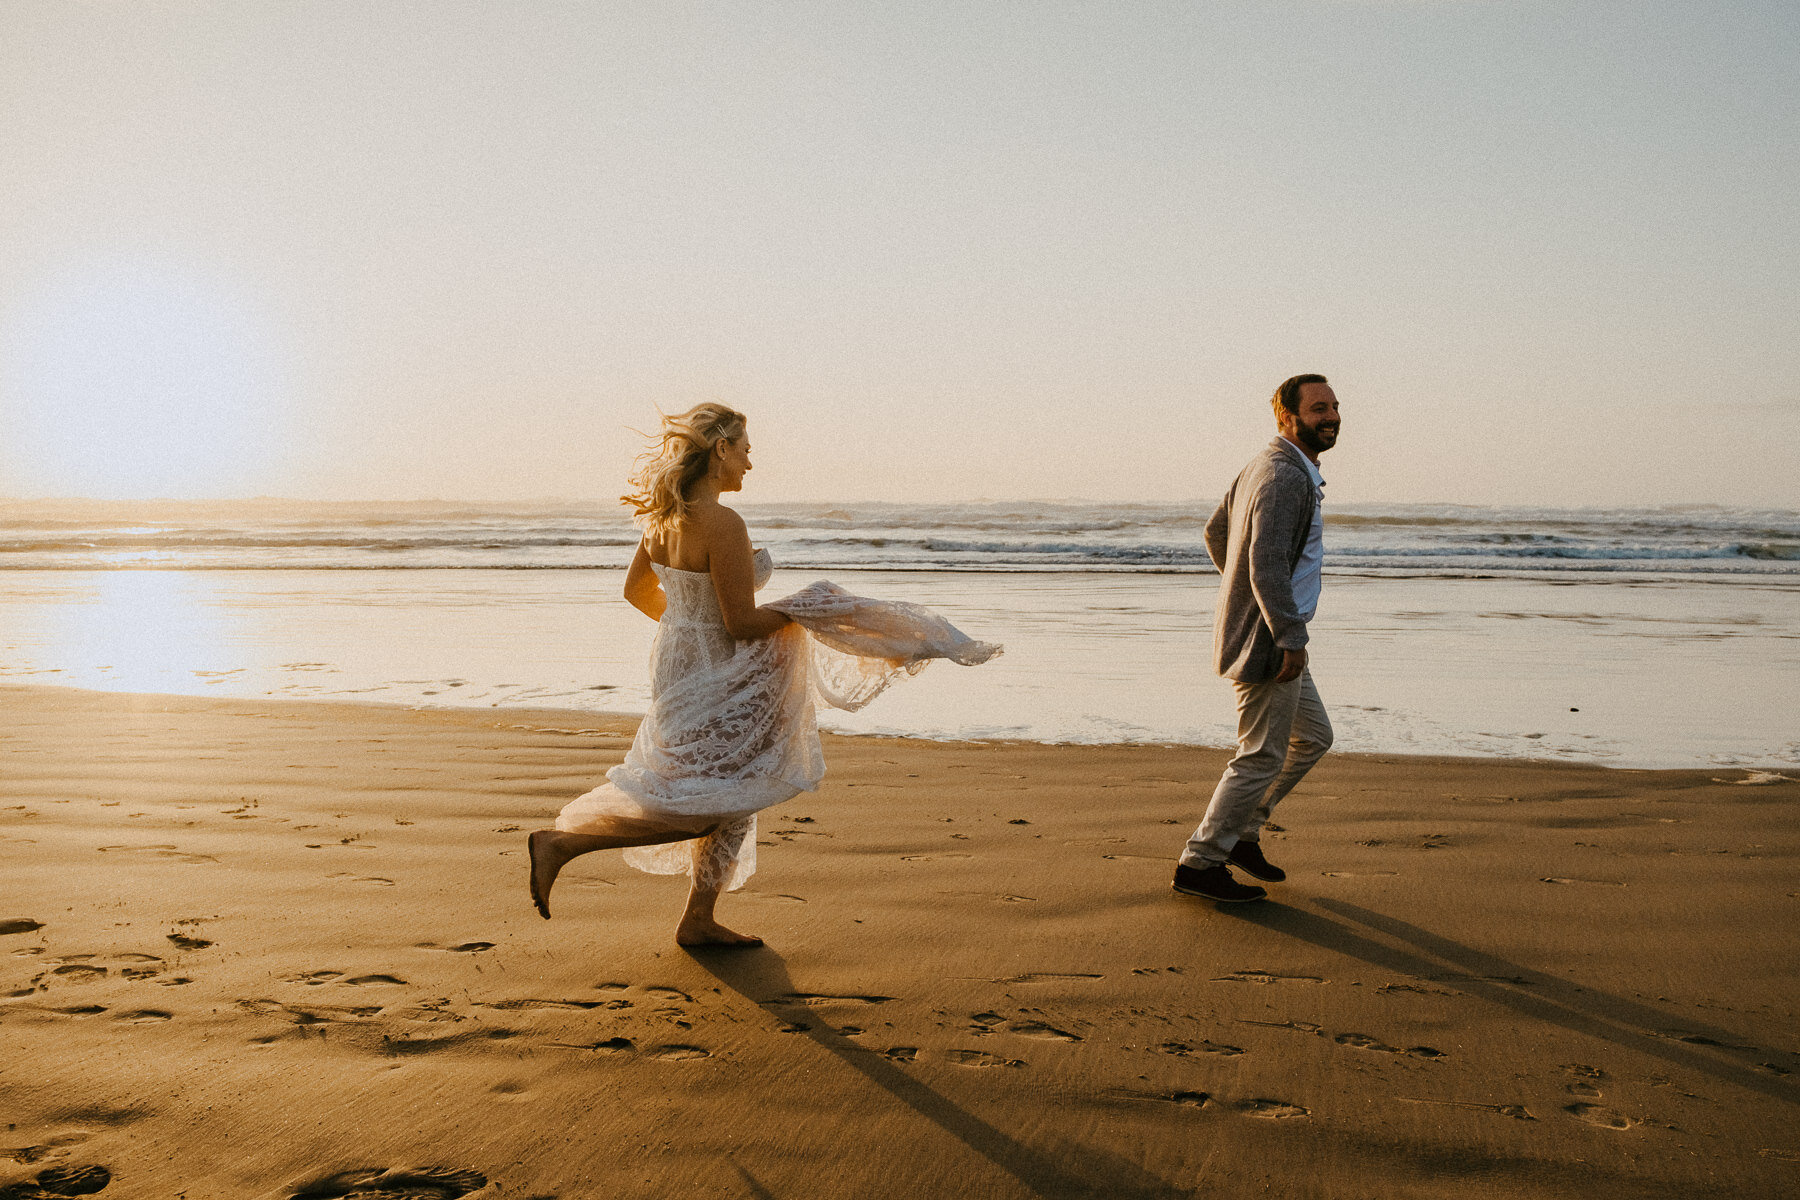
(704, 931)
(546, 863)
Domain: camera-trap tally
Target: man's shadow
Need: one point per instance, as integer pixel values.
(1071, 1169)
(1626, 1023)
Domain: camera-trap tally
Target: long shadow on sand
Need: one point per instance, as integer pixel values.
(1071, 1170)
(1626, 1023)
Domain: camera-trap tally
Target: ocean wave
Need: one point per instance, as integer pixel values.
(1069, 551)
(999, 536)
(1501, 551)
(1770, 551)
(163, 542)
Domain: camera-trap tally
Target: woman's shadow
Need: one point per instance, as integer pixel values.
(1070, 1169)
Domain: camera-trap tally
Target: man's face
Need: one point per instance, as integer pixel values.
(1315, 426)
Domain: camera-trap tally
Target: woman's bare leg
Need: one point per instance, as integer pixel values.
(715, 855)
(698, 926)
(552, 850)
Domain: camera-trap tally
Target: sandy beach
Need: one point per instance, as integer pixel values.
(274, 949)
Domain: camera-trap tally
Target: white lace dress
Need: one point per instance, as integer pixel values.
(731, 727)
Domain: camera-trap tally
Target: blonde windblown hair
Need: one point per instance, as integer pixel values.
(678, 457)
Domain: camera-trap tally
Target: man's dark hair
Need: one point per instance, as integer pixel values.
(1288, 394)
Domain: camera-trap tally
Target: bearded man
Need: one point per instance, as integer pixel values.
(1267, 541)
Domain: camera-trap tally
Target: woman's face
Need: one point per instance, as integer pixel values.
(734, 462)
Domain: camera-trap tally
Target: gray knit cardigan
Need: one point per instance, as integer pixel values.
(1256, 538)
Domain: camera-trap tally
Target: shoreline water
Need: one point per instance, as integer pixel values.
(619, 727)
(1658, 673)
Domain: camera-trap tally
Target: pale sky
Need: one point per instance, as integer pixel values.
(1547, 252)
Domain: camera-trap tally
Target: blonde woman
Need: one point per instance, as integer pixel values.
(731, 727)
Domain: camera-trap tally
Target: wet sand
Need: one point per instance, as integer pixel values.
(263, 949)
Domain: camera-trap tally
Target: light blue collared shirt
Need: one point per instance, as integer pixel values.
(1309, 572)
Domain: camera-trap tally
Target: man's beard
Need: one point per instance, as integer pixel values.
(1312, 437)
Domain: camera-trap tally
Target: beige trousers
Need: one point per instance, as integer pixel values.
(1282, 732)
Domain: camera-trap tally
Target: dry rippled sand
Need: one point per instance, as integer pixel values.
(285, 951)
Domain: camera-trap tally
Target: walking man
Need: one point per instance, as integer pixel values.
(1267, 541)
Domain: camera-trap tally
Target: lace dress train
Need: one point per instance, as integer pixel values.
(732, 729)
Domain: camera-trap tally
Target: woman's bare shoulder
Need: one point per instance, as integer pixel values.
(715, 519)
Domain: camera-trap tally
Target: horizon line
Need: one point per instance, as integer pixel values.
(566, 501)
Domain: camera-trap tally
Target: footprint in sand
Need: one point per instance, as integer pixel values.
(813, 999)
(59, 1181)
(407, 1045)
(1038, 1029)
(182, 941)
(981, 1058)
(1600, 1116)
(1362, 1041)
(1274, 1110)
(144, 1016)
(680, 1053)
(1187, 1099)
(1183, 1049)
(310, 1014)
(164, 850)
(459, 948)
(19, 925)
(1265, 977)
(1517, 1112)
(76, 1011)
(617, 1045)
(144, 971)
(523, 1004)
(1417, 988)
(1298, 1026)
(313, 978)
(376, 1183)
(901, 1054)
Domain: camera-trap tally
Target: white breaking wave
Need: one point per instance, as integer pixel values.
(1000, 536)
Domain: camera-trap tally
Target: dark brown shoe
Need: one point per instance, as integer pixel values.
(1248, 856)
(1214, 883)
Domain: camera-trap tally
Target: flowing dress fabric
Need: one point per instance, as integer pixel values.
(732, 729)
